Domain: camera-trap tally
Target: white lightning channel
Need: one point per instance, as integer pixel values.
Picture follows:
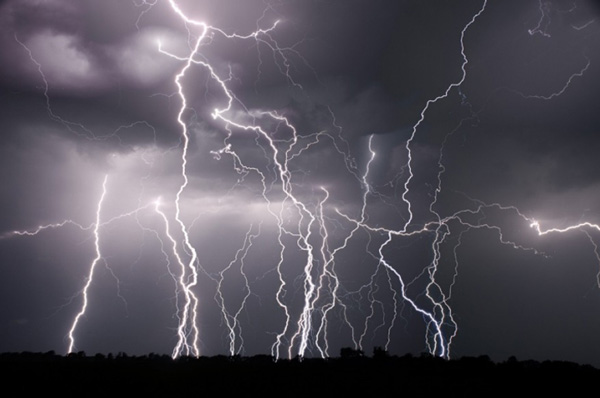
(426, 108)
(90, 277)
(231, 319)
(280, 157)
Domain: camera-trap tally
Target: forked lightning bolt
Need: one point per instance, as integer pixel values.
(441, 326)
(280, 152)
(231, 318)
(309, 296)
(90, 276)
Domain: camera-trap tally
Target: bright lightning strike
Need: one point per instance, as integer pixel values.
(315, 231)
(280, 157)
(90, 277)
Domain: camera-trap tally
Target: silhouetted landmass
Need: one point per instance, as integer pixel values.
(351, 373)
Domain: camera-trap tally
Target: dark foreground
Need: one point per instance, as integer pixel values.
(380, 375)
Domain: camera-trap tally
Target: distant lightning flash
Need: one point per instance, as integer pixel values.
(544, 21)
(90, 276)
(186, 320)
(563, 89)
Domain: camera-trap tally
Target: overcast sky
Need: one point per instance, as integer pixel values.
(87, 94)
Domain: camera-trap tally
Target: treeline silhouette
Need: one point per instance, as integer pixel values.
(351, 373)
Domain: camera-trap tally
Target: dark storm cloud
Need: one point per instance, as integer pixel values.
(100, 71)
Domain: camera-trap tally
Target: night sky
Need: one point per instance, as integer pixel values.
(469, 152)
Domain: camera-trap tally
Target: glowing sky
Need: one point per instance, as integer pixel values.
(521, 132)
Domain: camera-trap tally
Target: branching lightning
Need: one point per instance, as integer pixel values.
(280, 153)
(90, 277)
(236, 340)
(313, 229)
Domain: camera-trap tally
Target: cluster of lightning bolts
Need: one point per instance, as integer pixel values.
(304, 330)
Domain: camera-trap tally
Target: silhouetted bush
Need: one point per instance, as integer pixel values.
(348, 352)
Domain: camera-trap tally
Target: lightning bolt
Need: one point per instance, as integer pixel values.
(281, 153)
(544, 22)
(90, 277)
(317, 285)
(232, 321)
(304, 221)
(563, 89)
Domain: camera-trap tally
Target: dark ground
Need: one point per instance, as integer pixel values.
(351, 374)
